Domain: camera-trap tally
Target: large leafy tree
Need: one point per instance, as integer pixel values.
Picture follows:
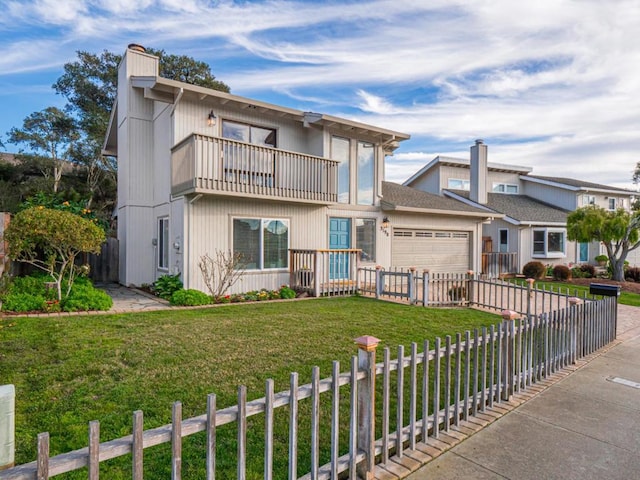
(50, 136)
(51, 240)
(619, 232)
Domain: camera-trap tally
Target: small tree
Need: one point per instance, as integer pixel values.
(619, 232)
(51, 240)
(221, 271)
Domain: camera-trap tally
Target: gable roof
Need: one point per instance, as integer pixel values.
(520, 209)
(465, 163)
(576, 185)
(400, 198)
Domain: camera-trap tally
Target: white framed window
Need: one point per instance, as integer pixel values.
(549, 242)
(503, 240)
(612, 203)
(262, 242)
(163, 243)
(341, 151)
(366, 238)
(459, 184)
(588, 200)
(505, 188)
(365, 172)
(621, 203)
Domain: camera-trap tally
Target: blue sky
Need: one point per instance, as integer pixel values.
(550, 84)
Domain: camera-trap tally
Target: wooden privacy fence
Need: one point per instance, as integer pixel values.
(392, 406)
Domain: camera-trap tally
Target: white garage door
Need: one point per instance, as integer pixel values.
(437, 251)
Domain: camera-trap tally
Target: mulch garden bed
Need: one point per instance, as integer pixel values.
(631, 287)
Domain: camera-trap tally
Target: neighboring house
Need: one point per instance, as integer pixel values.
(535, 208)
(201, 171)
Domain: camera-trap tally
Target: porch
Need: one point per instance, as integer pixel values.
(497, 264)
(324, 272)
(213, 165)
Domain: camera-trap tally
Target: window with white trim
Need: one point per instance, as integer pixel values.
(366, 238)
(505, 188)
(549, 242)
(262, 242)
(503, 240)
(612, 203)
(588, 200)
(458, 184)
(163, 243)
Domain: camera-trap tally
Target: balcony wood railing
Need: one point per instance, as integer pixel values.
(202, 164)
(497, 264)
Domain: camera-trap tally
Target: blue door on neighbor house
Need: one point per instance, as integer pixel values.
(339, 238)
(584, 252)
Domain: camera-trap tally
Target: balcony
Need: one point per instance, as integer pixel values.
(212, 165)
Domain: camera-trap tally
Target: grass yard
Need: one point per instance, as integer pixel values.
(626, 297)
(70, 370)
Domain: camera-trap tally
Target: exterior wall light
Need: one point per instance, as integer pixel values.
(384, 226)
(211, 119)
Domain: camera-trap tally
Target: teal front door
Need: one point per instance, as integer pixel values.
(339, 239)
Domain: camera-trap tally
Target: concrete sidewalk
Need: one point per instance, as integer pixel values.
(586, 426)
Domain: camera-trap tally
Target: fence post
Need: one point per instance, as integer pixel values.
(7, 426)
(573, 327)
(366, 404)
(529, 294)
(378, 281)
(469, 287)
(316, 274)
(508, 320)
(413, 296)
(425, 288)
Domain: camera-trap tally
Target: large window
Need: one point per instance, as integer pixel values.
(549, 242)
(505, 188)
(612, 203)
(366, 238)
(163, 243)
(366, 173)
(244, 164)
(265, 137)
(458, 184)
(588, 200)
(263, 243)
(340, 152)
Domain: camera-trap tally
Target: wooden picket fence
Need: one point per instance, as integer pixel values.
(419, 396)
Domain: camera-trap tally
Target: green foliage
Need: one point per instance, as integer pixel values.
(167, 285)
(534, 270)
(23, 302)
(583, 271)
(50, 240)
(561, 273)
(601, 258)
(85, 297)
(57, 201)
(286, 292)
(190, 298)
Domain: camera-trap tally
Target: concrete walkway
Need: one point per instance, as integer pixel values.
(131, 299)
(585, 426)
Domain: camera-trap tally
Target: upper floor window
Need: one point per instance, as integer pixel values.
(588, 200)
(340, 149)
(612, 203)
(262, 242)
(505, 188)
(366, 172)
(242, 132)
(549, 242)
(458, 184)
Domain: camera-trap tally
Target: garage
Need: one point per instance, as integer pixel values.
(437, 251)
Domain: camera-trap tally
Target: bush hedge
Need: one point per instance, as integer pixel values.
(561, 273)
(534, 270)
(189, 298)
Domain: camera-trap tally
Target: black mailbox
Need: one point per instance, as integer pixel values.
(604, 289)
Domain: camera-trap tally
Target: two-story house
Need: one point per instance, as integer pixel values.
(535, 208)
(202, 171)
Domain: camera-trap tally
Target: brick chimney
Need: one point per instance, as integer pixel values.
(478, 183)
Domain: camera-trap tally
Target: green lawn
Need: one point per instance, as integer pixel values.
(70, 370)
(626, 298)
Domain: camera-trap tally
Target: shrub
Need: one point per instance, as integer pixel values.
(632, 274)
(23, 302)
(561, 273)
(286, 292)
(189, 298)
(84, 296)
(601, 258)
(534, 270)
(167, 285)
(589, 271)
